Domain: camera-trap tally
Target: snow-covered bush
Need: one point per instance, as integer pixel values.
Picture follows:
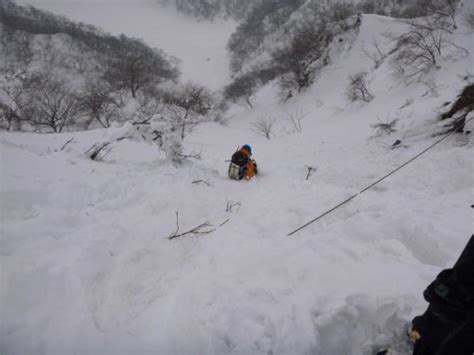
(158, 130)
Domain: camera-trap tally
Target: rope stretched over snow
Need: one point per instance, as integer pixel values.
(373, 184)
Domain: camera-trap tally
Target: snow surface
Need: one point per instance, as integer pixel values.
(86, 266)
(200, 45)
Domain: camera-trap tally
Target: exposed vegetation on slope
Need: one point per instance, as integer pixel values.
(58, 75)
(289, 40)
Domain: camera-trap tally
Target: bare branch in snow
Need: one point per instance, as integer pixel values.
(264, 126)
(385, 127)
(203, 228)
(295, 119)
(96, 149)
(65, 144)
(201, 181)
(231, 205)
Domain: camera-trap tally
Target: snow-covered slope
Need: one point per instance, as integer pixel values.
(200, 45)
(87, 267)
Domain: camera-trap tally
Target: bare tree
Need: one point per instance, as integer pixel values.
(241, 87)
(136, 66)
(445, 8)
(357, 89)
(296, 120)
(264, 126)
(55, 106)
(376, 55)
(149, 106)
(420, 48)
(187, 102)
(98, 102)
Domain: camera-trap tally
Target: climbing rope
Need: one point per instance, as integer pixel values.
(373, 184)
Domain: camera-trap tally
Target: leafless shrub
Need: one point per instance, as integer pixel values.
(55, 106)
(432, 89)
(357, 89)
(149, 106)
(295, 120)
(468, 18)
(419, 49)
(189, 105)
(264, 126)
(385, 127)
(98, 102)
(376, 54)
(445, 9)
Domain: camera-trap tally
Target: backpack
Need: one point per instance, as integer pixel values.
(236, 172)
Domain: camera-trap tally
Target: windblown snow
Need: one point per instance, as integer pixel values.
(87, 266)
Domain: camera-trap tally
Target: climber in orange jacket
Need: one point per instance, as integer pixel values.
(242, 165)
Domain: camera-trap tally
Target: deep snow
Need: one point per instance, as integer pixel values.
(86, 266)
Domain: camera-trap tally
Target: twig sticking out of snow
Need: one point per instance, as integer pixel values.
(201, 181)
(192, 155)
(65, 144)
(231, 205)
(96, 149)
(200, 229)
(374, 183)
(386, 127)
(310, 171)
